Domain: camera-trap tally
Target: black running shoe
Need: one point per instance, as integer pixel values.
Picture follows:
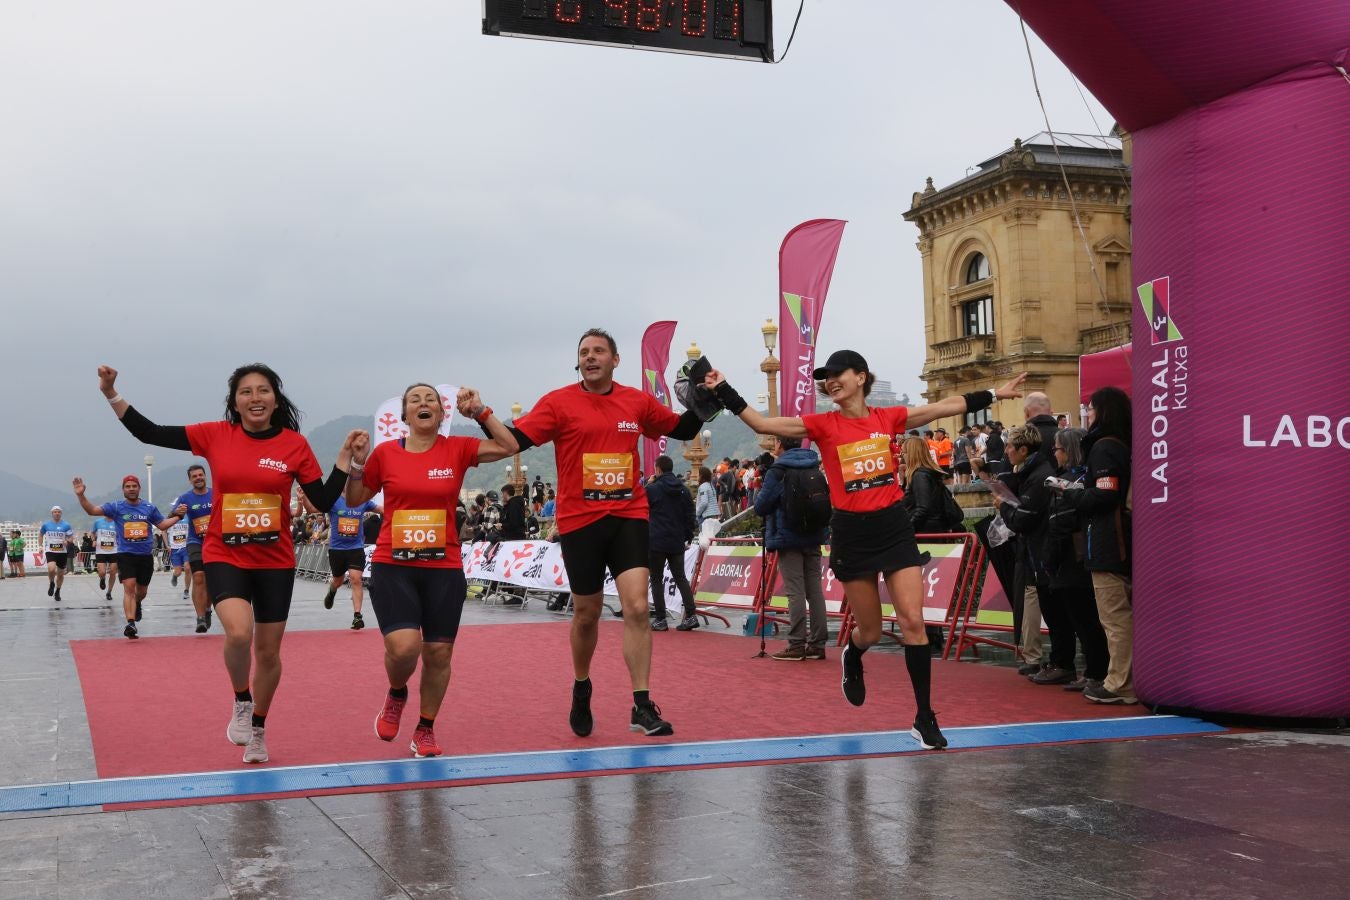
(51, 588)
(58, 596)
(580, 717)
(139, 611)
(108, 596)
(328, 598)
(926, 732)
(850, 661)
(201, 625)
(357, 622)
(102, 582)
(130, 631)
(647, 719)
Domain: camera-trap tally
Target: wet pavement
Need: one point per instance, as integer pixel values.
(1255, 814)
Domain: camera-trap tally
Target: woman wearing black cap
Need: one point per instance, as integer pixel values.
(871, 532)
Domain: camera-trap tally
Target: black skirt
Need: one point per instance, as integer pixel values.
(863, 544)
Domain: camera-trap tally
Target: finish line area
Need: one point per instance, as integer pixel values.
(478, 769)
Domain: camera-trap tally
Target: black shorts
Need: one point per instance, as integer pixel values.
(962, 468)
(138, 566)
(611, 543)
(340, 561)
(195, 563)
(268, 590)
(106, 559)
(426, 599)
(58, 558)
(863, 544)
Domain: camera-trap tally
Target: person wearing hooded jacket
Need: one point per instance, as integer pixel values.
(1029, 522)
(670, 528)
(798, 554)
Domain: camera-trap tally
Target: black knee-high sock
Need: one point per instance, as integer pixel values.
(920, 666)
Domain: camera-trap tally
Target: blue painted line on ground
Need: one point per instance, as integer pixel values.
(450, 770)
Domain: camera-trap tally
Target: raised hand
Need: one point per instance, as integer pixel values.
(358, 442)
(469, 404)
(1012, 389)
(712, 379)
(78, 484)
(107, 379)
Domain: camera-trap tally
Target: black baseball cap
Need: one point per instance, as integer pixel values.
(839, 361)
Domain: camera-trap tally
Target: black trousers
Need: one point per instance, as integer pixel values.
(1081, 604)
(658, 563)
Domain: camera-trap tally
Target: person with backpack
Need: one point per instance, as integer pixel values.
(871, 534)
(795, 505)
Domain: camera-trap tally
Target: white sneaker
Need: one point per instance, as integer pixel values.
(241, 723)
(256, 751)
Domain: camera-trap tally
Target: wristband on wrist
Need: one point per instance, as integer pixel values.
(976, 400)
(483, 415)
(114, 399)
(733, 402)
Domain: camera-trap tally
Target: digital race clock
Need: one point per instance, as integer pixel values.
(736, 28)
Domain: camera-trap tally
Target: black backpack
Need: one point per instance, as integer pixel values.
(806, 499)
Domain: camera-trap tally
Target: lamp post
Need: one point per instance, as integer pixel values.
(149, 479)
(516, 470)
(770, 367)
(696, 452)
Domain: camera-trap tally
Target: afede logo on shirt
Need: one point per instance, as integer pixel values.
(440, 474)
(629, 427)
(275, 465)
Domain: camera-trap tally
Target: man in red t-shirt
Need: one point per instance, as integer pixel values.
(602, 511)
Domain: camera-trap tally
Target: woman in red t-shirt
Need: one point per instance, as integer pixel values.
(418, 576)
(870, 531)
(256, 454)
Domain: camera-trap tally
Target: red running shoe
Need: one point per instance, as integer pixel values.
(386, 723)
(424, 743)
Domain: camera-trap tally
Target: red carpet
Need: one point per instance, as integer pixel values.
(160, 705)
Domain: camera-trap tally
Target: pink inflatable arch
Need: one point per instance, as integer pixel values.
(1240, 114)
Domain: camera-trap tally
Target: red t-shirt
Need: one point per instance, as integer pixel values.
(420, 490)
(252, 477)
(859, 456)
(595, 441)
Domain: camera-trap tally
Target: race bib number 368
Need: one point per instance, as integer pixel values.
(607, 476)
(866, 464)
(251, 518)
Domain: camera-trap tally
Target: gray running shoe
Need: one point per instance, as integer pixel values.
(241, 723)
(256, 751)
(202, 625)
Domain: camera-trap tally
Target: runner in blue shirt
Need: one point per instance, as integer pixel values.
(133, 519)
(195, 505)
(177, 541)
(53, 536)
(105, 554)
(346, 550)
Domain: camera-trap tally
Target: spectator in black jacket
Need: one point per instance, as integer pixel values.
(1040, 415)
(513, 515)
(1029, 521)
(670, 529)
(1104, 510)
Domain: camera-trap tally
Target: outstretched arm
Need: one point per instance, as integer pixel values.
(782, 426)
(91, 509)
(959, 406)
(173, 437)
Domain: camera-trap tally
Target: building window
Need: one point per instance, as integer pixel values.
(977, 269)
(979, 417)
(977, 316)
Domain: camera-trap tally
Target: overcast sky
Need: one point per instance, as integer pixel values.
(365, 195)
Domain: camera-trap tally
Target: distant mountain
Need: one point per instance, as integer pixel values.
(23, 501)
